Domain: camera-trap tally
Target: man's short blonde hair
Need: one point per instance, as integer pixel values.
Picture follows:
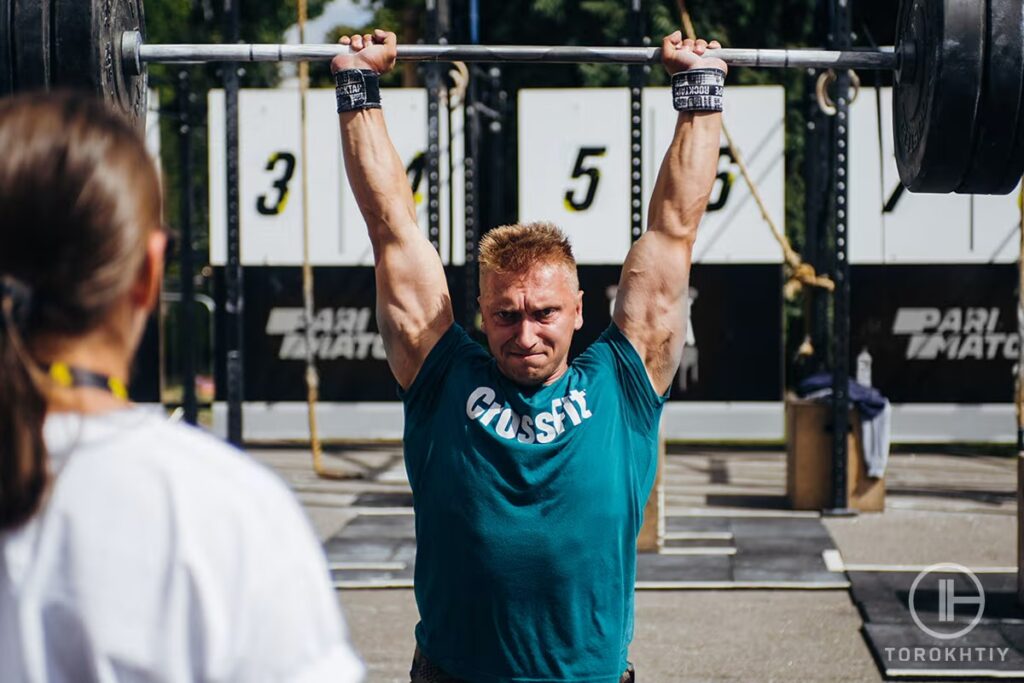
(515, 248)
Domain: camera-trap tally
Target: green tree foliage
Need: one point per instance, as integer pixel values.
(203, 21)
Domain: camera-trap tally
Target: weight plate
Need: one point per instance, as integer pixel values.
(6, 49)
(942, 63)
(998, 159)
(87, 52)
(30, 38)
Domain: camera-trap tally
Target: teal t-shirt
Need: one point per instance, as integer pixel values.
(528, 504)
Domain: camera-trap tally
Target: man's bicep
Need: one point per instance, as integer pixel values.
(413, 304)
(651, 303)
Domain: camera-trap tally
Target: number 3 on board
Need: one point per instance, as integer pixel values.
(580, 170)
(281, 185)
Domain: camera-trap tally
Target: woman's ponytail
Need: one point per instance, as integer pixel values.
(23, 463)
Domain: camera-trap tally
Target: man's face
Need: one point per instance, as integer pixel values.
(529, 319)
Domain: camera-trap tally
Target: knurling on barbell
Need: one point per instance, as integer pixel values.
(957, 101)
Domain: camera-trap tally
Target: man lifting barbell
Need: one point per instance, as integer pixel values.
(529, 473)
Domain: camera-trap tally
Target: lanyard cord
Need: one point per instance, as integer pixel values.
(67, 376)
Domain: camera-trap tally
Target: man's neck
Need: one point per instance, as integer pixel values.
(557, 375)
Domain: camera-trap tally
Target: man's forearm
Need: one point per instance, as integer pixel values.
(686, 177)
(376, 174)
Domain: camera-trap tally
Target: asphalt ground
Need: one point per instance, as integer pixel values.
(940, 508)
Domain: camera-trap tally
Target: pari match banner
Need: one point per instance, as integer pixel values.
(732, 353)
(937, 333)
(347, 344)
(733, 336)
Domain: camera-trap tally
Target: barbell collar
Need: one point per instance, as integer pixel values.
(137, 54)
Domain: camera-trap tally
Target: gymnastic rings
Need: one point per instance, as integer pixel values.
(825, 81)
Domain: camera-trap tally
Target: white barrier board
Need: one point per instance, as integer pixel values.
(574, 170)
(888, 225)
(270, 177)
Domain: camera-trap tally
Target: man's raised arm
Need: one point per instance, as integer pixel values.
(413, 305)
(651, 304)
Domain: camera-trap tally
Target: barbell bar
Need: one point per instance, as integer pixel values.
(958, 97)
(137, 54)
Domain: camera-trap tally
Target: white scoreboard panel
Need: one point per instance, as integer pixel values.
(270, 177)
(574, 167)
(889, 225)
(574, 170)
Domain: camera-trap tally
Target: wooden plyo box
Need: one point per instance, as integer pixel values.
(652, 533)
(809, 461)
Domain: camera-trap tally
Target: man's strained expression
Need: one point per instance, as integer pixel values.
(529, 319)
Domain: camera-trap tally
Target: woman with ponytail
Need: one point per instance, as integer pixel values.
(130, 548)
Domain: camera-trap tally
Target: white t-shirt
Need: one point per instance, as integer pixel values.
(163, 555)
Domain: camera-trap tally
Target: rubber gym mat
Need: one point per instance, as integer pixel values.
(378, 550)
(384, 500)
(964, 639)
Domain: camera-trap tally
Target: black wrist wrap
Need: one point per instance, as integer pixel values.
(357, 89)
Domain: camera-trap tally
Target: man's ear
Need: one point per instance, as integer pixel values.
(146, 292)
(579, 311)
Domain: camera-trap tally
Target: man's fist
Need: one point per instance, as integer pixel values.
(680, 55)
(376, 52)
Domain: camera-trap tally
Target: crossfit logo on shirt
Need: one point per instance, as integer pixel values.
(567, 411)
(955, 334)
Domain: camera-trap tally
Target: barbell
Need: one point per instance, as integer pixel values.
(957, 107)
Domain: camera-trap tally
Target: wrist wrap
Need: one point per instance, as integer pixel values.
(698, 90)
(357, 89)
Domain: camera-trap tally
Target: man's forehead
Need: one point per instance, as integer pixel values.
(515, 298)
(539, 292)
(537, 277)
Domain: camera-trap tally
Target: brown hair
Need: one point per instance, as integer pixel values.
(78, 197)
(515, 248)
